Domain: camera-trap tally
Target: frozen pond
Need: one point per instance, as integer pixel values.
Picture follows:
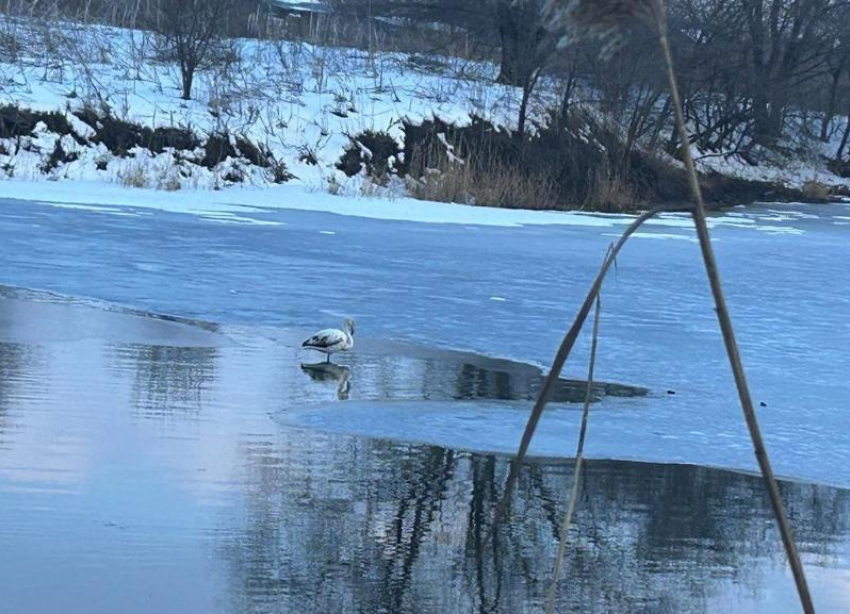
(505, 292)
(165, 464)
(151, 465)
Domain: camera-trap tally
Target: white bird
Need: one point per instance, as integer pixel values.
(332, 340)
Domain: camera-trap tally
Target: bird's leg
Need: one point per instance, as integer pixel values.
(328, 361)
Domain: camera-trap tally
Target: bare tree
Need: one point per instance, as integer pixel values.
(191, 32)
(788, 46)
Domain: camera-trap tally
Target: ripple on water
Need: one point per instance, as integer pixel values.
(148, 466)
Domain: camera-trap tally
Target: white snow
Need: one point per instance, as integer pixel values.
(292, 98)
(242, 204)
(297, 197)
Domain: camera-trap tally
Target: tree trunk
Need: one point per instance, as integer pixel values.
(566, 99)
(761, 115)
(844, 138)
(509, 35)
(660, 122)
(523, 108)
(188, 78)
(520, 34)
(830, 106)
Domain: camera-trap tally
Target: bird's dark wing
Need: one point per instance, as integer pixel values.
(325, 339)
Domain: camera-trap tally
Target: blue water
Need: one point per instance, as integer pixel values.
(508, 292)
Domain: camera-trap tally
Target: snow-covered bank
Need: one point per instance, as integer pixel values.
(227, 205)
(253, 205)
(300, 103)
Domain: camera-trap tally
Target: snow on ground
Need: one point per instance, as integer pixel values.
(246, 205)
(294, 98)
(300, 101)
(226, 204)
(791, 172)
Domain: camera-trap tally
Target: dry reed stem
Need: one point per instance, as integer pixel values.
(728, 332)
(603, 18)
(560, 358)
(568, 516)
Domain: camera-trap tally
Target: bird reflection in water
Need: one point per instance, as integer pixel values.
(330, 372)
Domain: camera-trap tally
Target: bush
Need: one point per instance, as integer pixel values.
(279, 173)
(609, 191)
(121, 136)
(217, 149)
(376, 151)
(254, 154)
(578, 163)
(479, 181)
(176, 138)
(475, 164)
(134, 176)
(16, 122)
(58, 156)
(815, 190)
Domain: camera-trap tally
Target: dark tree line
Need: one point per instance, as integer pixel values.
(747, 66)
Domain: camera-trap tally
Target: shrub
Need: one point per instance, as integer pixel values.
(15, 122)
(169, 179)
(121, 136)
(481, 180)
(217, 149)
(333, 186)
(375, 151)
(815, 190)
(133, 176)
(577, 162)
(279, 172)
(58, 157)
(609, 191)
(255, 155)
(176, 138)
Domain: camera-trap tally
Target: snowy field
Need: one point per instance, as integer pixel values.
(301, 102)
(296, 99)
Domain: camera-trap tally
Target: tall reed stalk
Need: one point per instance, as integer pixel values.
(571, 505)
(605, 19)
(726, 328)
(561, 356)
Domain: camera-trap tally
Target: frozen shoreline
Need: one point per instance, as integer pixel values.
(247, 205)
(233, 201)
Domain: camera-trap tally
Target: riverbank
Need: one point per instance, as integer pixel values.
(107, 112)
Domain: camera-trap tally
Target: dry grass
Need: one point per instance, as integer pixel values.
(610, 192)
(482, 180)
(815, 190)
(333, 186)
(133, 176)
(169, 180)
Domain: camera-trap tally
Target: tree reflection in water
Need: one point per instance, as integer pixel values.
(370, 526)
(170, 378)
(398, 372)
(13, 359)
